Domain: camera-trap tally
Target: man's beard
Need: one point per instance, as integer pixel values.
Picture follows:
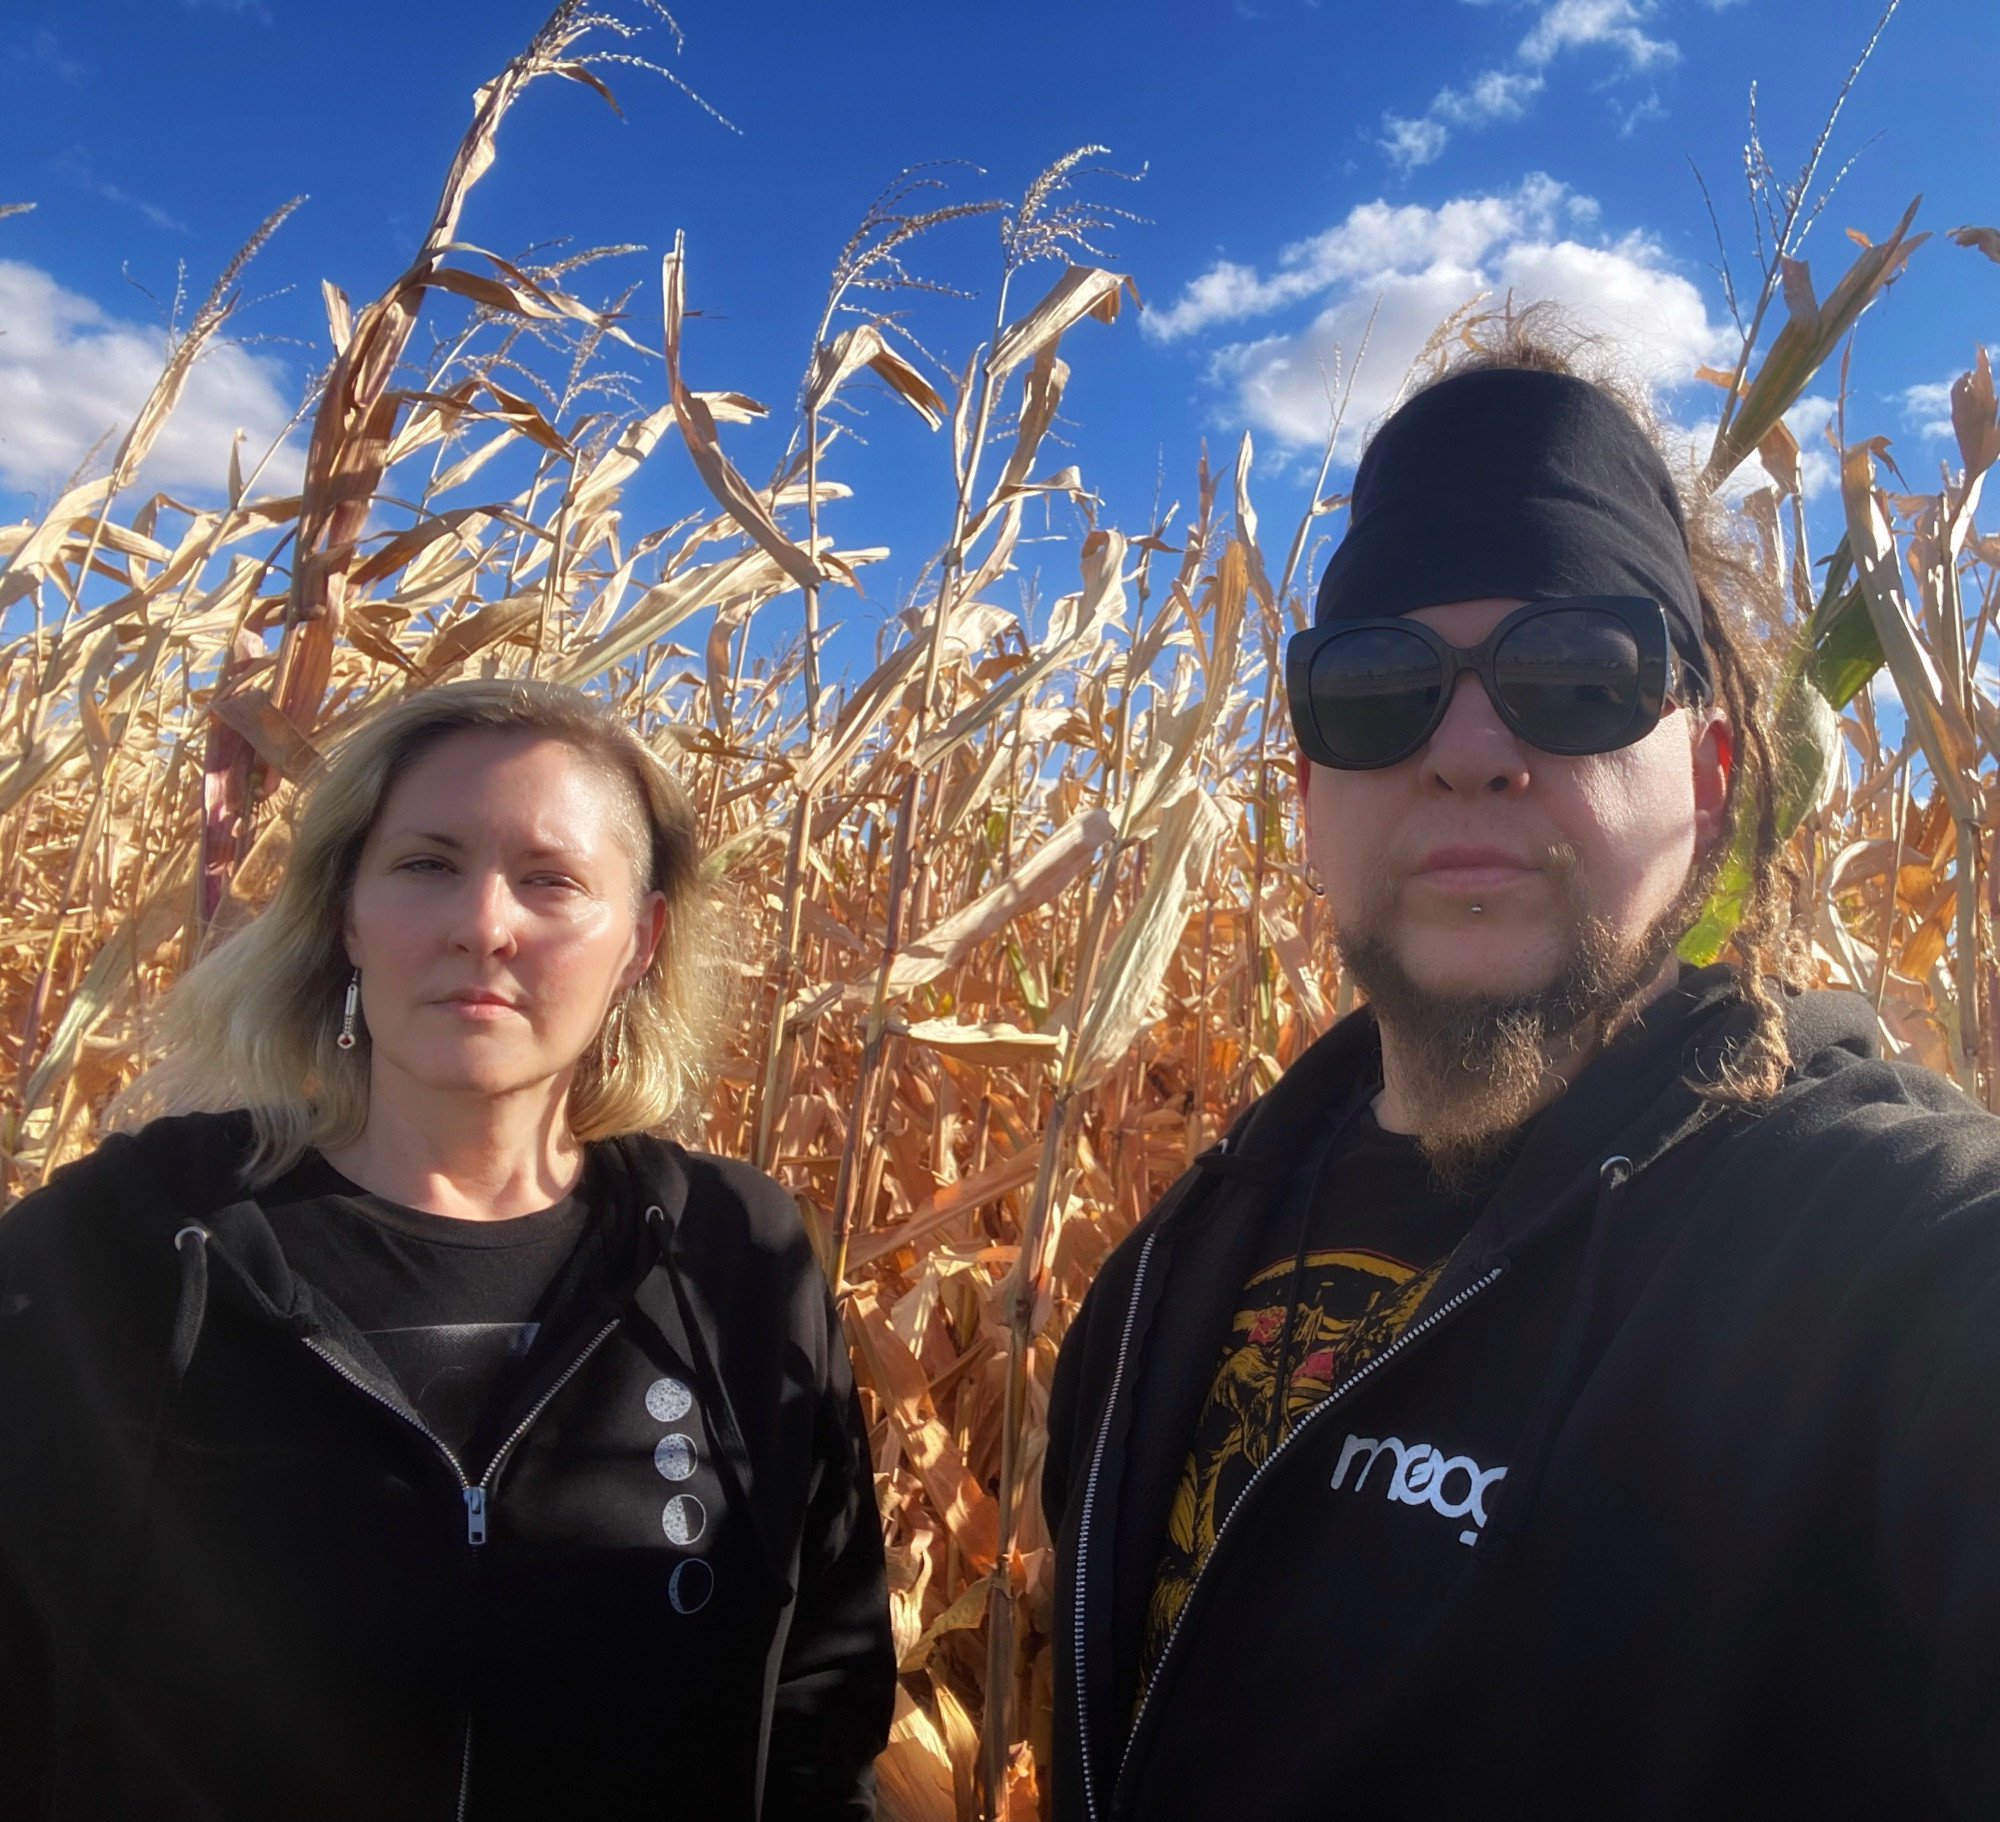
(1472, 1066)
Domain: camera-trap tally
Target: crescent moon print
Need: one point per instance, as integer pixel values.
(690, 1585)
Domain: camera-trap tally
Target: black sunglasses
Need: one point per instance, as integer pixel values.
(1585, 674)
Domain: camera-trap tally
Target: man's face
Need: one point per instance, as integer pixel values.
(1478, 858)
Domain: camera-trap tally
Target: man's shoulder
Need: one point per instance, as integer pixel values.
(1878, 1152)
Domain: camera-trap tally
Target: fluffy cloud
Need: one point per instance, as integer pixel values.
(1408, 267)
(1570, 25)
(70, 373)
(1504, 94)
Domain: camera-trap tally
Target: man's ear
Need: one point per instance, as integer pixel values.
(1713, 759)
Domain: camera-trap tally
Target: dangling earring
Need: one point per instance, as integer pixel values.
(346, 1039)
(1313, 880)
(614, 1037)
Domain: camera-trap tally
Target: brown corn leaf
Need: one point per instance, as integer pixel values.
(1063, 858)
(1121, 1004)
(473, 633)
(996, 1043)
(950, 1203)
(1984, 240)
(1974, 418)
(967, 1510)
(1077, 618)
(339, 315)
(962, 1615)
(1081, 291)
(914, 1773)
(1779, 452)
(863, 346)
(260, 721)
(1947, 741)
(735, 494)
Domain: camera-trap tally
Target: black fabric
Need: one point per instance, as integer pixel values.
(1506, 482)
(1742, 1374)
(1334, 1287)
(254, 1590)
(447, 1306)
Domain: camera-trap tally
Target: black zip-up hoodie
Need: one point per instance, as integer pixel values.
(1742, 1373)
(238, 1580)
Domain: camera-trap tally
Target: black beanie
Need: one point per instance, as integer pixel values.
(1505, 481)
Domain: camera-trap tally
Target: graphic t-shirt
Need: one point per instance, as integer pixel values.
(1379, 1233)
(448, 1305)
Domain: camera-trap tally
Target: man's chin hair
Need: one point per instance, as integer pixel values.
(1471, 1066)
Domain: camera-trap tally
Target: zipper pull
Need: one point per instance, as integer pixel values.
(475, 1515)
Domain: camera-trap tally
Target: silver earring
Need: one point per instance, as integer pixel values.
(614, 1037)
(346, 1039)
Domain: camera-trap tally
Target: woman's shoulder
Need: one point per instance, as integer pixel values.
(126, 1190)
(717, 1203)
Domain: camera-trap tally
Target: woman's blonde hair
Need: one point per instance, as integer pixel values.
(254, 1024)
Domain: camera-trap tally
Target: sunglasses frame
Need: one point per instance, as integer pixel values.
(1660, 675)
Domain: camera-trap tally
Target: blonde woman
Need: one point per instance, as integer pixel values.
(396, 1430)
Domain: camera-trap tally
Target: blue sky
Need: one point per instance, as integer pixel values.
(1301, 162)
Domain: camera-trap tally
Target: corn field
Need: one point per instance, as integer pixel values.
(1024, 910)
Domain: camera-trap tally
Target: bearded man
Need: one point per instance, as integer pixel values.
(1574, 1389)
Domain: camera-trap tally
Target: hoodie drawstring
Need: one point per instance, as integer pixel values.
(1559, 1388)
(733, 1450)
(190, 1312)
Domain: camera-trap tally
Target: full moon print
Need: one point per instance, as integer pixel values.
(668, 1401)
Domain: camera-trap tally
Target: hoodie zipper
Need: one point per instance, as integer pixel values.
(475, 1494)
(1403, 1342)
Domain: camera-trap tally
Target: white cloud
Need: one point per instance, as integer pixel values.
(1409, 267)
(1494, 95)
(70, 373)
(1927, 408)
(1410, 143)
(1503, 94)
(1570, 25)
(1819, 472)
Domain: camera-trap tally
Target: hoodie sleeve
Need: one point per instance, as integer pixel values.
(1940, 1515)
(837, 1680)
(25, 1718)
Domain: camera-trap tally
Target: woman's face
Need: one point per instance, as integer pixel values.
(496, 913)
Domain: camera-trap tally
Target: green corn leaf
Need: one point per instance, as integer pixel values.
(1808, 751)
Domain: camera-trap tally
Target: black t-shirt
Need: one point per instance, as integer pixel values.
(448, 1305)
(1378, 1232)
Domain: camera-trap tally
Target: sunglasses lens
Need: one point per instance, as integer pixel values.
(1374, 691)
(1570, 679)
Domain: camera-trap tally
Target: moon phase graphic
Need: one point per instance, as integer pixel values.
(683, 1519)
(675, 1457)
(690, 1585)
(668, 1401)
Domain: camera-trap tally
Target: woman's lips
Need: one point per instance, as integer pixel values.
(476, 1006)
